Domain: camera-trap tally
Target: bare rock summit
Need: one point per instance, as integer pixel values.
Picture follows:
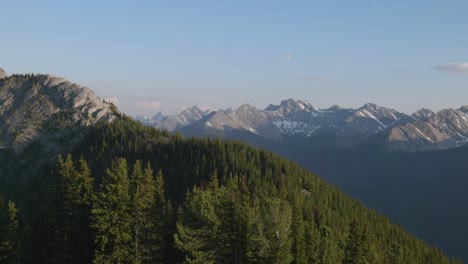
(3, 73)
(49, 111)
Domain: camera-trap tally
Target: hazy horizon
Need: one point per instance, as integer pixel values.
(152, 56)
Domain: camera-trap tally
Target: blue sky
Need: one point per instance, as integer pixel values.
(167, 55)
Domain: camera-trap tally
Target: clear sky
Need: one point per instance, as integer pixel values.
(165, 55)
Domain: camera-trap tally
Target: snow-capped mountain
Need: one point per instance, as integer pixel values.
(423, 130)
(174, 122)
(423, 114)
(445, 129)
(290, 117)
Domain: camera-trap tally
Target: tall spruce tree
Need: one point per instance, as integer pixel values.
(276, 219)
(111, 217)
(86, 197)
(163, 226)
(357, 250)
(299, 247)
(197, 227)
(143, 195)
(328, 252)
(9, 232)
(73, 194)
(65, 212)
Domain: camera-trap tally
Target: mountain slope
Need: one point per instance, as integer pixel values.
(313, 203)
(390, 159)
(423, 191)
(47, 110)
(422, 131)
(190, 161)
(41, 116)
(445, 129)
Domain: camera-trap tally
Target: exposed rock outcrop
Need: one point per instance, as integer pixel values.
(47, 110)
(3, 73)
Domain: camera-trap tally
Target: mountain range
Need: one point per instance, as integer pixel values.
(422, 131)
(409, 167)
(42, 116)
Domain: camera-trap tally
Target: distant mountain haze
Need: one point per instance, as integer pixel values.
(410, 167)
(42, 116)
(422, 131)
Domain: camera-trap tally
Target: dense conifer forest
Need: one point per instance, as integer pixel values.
(134, 194)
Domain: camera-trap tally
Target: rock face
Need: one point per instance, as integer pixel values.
(423, 114)
(3, 74)
(47, 110)
(445, 129)
(424, 130)
(291, 118)
(186, 117)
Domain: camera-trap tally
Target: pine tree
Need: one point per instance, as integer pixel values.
(9, 232)
(357, 250)
(276, 219)
(111, 217)
(143, 195)
(86, 198)
(197, 227)
(161, 237)
(73, 194)
(299, 249)
(328, 252)
(66, 200)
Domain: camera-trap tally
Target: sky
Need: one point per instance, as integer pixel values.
(151, 56)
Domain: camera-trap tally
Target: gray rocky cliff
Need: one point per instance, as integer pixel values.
(49, 111)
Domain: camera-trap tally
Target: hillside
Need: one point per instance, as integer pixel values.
(46, 109)
(314, 203)
(235, 203)
(422, 191)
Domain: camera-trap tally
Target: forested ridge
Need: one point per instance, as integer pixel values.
(134, 194)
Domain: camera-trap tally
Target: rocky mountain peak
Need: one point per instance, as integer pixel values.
(423, 114)
(424, 130)
(334, 108)
(381, 113)
(159, 117)
(3, 73)
(246, 107)
(372, 107)
(193, 112)
(464, 109)
(43, 108)
(295, 104)
(291, 106)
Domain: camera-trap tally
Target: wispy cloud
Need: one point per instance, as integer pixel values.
(454, 67)
(287, 56)
(315, 78)
(113, 99)
(148, 105)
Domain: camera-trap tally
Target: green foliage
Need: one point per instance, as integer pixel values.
(73, 194)
(235, 204)
(275, 231)
(148, 209)
(111, 216)
(9, 232)
(357, 250)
